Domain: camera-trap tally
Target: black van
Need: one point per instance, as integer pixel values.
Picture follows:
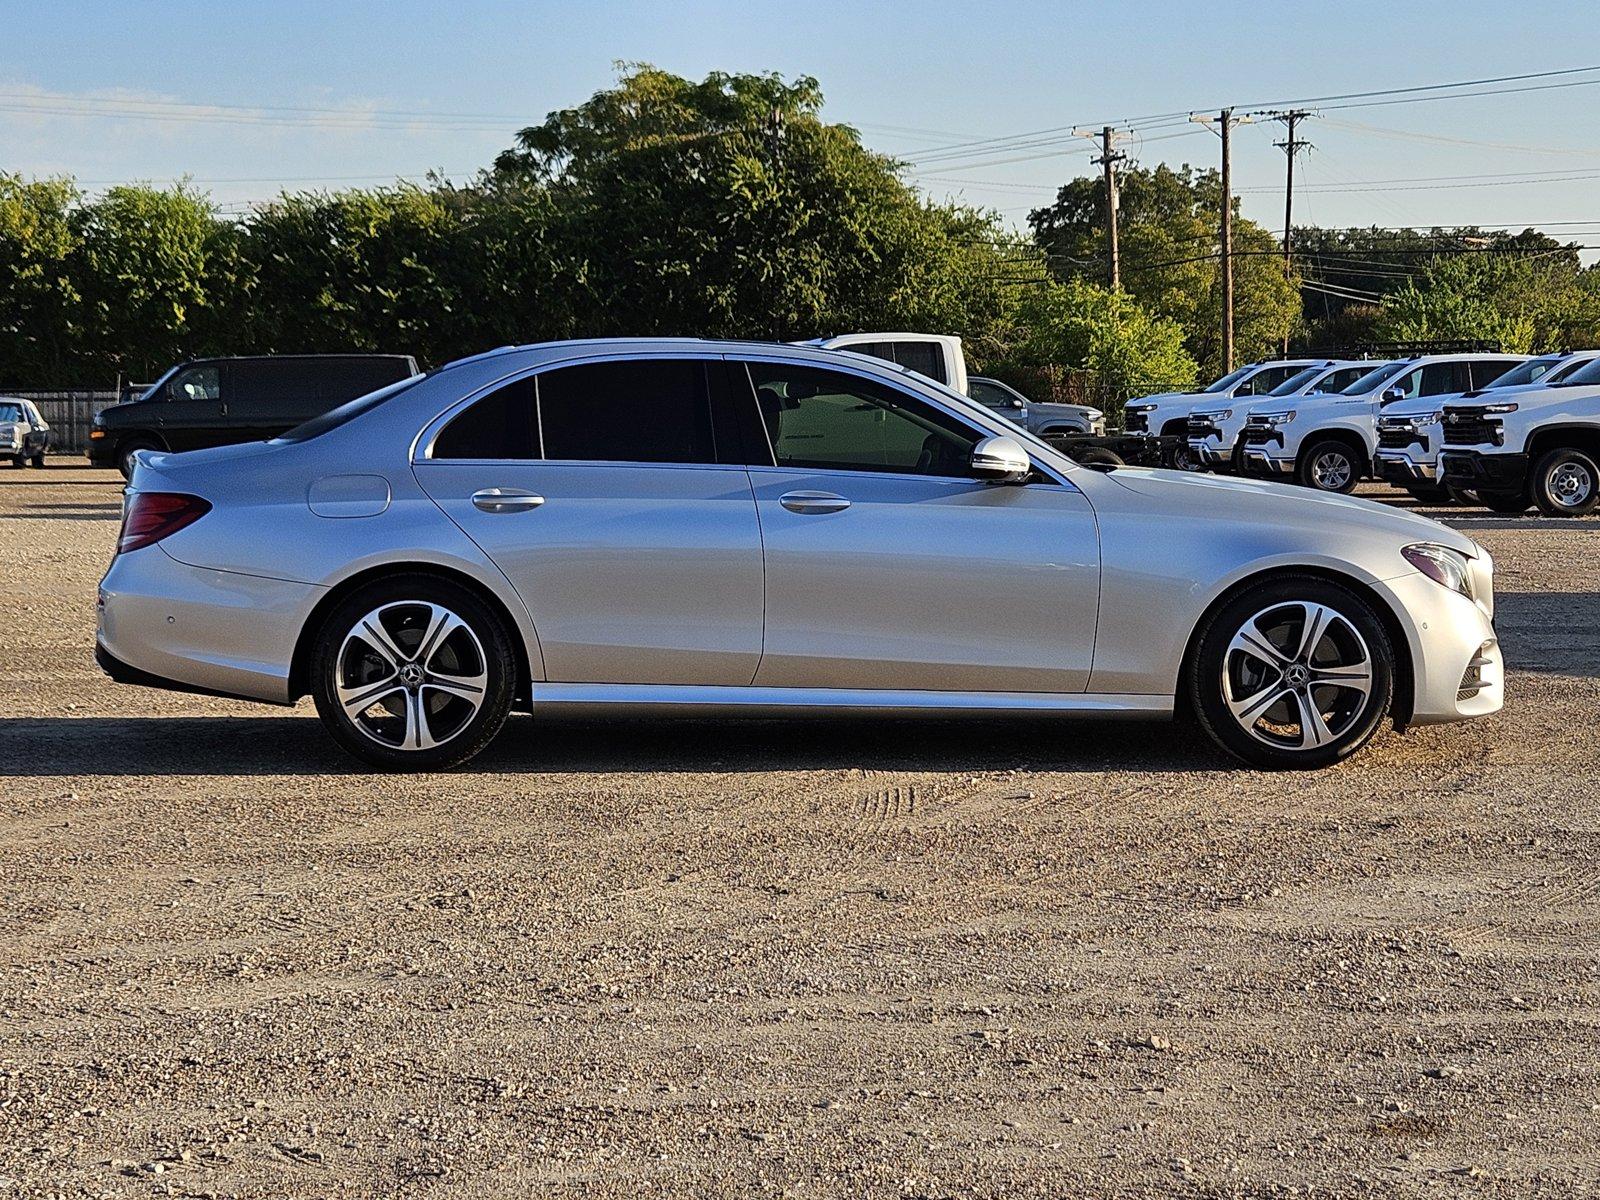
(219, 401)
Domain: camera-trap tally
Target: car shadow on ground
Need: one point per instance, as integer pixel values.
(297, 745)
(1553, 633)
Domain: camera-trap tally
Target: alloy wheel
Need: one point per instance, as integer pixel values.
(1297, 675)
(1332, 471)
(411, 675)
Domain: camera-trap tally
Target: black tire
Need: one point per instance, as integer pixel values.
(1092, 455)
(1565, 483)
(340, 656)
(1354, 717)
(1505, 502)
(126, 450)
(18, 461)
(38, 459)
(1183, 459)
(1318, 463)
(1466, 496)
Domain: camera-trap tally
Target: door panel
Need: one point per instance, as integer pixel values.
(916, 582)
(632, 572)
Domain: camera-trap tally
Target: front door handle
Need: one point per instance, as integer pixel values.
(500, 500)
(813, 502)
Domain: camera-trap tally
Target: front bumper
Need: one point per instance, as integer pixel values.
(1474, 469)
(1458, 671)
(167, 624)
(1403, 468)
(102, 452)
(1259, 461)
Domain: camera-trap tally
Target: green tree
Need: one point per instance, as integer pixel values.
(37, 296)
(1167, 236)
(1519, 300)
(139, 269)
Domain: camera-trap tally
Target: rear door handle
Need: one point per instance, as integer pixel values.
(813, 502)
(500, 500)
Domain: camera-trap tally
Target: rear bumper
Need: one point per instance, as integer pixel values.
(166, 624)
(1474, 469)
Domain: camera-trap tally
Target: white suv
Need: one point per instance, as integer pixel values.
(1409, 434)
(1329, 442)
(1214, 432)
(1167, 415)
(1539, 444)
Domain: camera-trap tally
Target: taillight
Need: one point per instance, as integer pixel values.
(150, 516)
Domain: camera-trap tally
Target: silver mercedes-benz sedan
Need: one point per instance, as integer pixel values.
(723, 527)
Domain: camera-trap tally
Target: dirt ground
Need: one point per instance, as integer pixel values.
(818, 959)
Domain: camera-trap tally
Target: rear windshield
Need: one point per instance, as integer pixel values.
(1373, 378)
(348, 411)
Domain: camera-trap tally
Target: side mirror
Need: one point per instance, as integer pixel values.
(1001, 460)
(1018, 404)
(1391, 394)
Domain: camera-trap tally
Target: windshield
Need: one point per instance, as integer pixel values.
(1531, 371)
(1588, 373)
(1373, 378)
(10, 412)
(1292, 385)
(156, 387)
(1562, 371)
(1227, 381)
(347, 411)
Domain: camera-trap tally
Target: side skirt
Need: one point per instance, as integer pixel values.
(697, 700)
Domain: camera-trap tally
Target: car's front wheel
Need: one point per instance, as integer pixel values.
(1293, 673)
(413, 673)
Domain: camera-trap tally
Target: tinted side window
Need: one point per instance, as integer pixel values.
(987, 393)
(288, 386)
(502, 424)
(1265, 380)
(1440, 378)
(826, 420)
(921, 357)
(643, 410)
(1339, 380)
(197, 383)
(1486, 371)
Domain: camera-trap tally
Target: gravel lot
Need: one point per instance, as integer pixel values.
(914, 959)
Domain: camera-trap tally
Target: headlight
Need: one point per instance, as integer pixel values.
(1222, 414)
(1500, 408)
(1442, 565)
(1276, 419)
(1138, 408)
(1094, 414)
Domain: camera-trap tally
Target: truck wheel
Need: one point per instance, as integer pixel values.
(1466, 496)
(1329, 466)
(125, 454)
(18, 461)
(38, 459)
(1566, 483)
(1097, 456)
(1505, 502)
(1184, 460)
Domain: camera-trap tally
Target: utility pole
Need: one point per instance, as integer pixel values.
(1290, 147)
(1225, 121)
(1110, 156)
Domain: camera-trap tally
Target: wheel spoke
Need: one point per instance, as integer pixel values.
(418, 735)
(372, 632)
(357, 700)
(440, 628)
(1253, 642)
(1356, 677)
(1312, 632)
(1247, 710)
(1314, 731)
(459, 688)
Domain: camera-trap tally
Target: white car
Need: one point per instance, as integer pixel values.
(1409, 435)
(1537, 445)
(1329, 442)
(1214, 432)
(1167, 414)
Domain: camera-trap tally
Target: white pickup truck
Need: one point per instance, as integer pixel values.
(1329, 442)
(1537, 445)
(1409, 433)
(1166, 415)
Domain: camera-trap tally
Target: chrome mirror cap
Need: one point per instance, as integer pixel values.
(1001, 460)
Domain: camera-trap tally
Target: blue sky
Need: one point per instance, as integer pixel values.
(913, 78)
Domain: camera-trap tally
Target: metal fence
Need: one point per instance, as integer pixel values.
(70, 413)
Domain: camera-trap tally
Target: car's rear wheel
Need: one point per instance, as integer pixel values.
(1293, 673)
(126, 451)
(413, 673)
(1566, 483)
(1330, 466)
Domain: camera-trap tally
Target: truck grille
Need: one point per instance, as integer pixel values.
(1203, 427)
(1471, 427)
(1401, 437)
(1261, 435)
(1138, 422)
